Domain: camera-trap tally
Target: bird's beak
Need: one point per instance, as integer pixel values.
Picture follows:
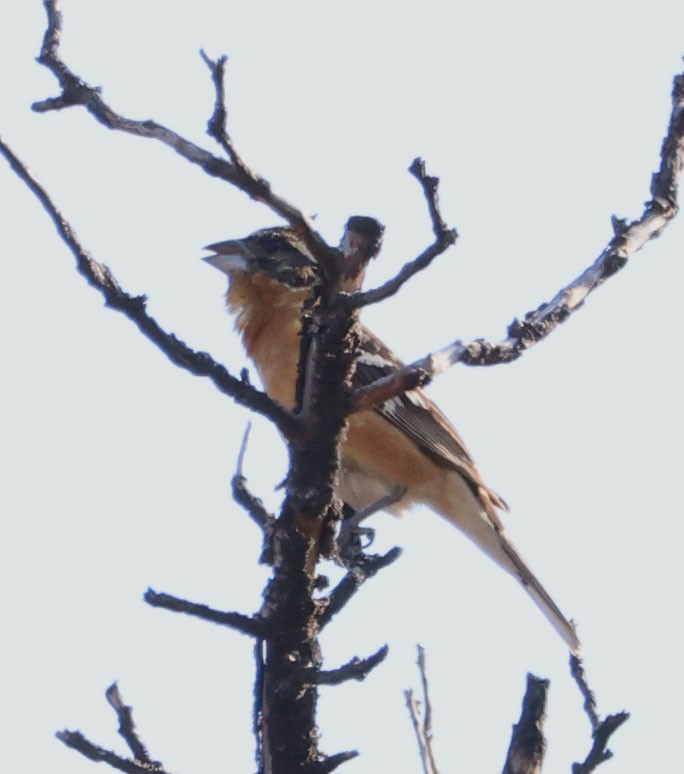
(228, 257)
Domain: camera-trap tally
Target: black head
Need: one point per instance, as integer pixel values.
(277, 252)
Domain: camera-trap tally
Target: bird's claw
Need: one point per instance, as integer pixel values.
(350, 543)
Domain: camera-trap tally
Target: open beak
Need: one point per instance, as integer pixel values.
(228, 257)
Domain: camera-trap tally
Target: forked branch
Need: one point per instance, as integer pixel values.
(444, 238)
(141, 763)
(538, 324)
(601, 730)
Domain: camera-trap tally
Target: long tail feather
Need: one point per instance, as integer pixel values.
(539, 595)
(476, 517)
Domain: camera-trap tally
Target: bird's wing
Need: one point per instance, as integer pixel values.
(417, 416)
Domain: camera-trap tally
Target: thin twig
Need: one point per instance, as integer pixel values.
(217, 124)
(127, 727)
(355, 669)
(422, 669)
(444, 238)
(537, 325)
(400, 382)
(579, 676)
(78, 742)
(250, 625)
(422, 720)
(75, 91)
(364, 567)
(252, 504)
(134, 308)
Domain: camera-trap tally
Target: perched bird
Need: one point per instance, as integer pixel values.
(405, 446)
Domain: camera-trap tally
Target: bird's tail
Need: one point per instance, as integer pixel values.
(516, 565)
(477, 518)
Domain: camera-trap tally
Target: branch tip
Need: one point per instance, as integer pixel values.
(355, 669)
(330, 763)
(250, 625)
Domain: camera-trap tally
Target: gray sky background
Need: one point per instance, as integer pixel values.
(543, 120)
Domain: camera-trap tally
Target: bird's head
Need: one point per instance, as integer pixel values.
(282, 256)
(271, 273)
(276, 254)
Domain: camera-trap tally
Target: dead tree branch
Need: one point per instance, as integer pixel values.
(601, 730)
(422, 720)
(364, 567)
(527, 746)
(217, 124)
(75, 91)
(101, 278)
(253, 505)
(127, 726)
(250, 625)
(288, 625)
(537, 325)
(599, 752)
(577, 672)
(78, 742)
(289, 608)
(330, 762)
(444, 238)
(141, 762)
(355, 669)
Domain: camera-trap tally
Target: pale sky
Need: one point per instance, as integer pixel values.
(542, 120)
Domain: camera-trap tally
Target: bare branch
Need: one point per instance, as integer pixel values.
(408, 378)
(527, 746)
(141, 764)
(290, 607)
(217, 124)
(355, 669)
(242, 496)
(258, 704)
(422, 668)
(245, 441)
(665, 182)
(75, 91)
(422, 721)
(250, 625)
(101, 278)
(365, 567)
(599, 752)
(253, 505)
(601, 730)
(577, 672)
(127, 726)
(78, 742)
(537, 325)
(444, 238)
(430, 184)
(330, 762)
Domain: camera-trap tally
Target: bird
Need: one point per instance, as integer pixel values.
(402, 453)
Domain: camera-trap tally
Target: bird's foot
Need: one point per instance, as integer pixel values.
(353, 539)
